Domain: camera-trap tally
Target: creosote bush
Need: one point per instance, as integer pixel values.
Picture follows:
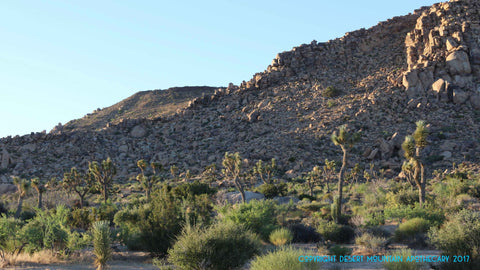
(224, 245)
(335, 232)
(330, 92)
(403, 265)
(281, 236)
(371, 242)
(283, 258)
(411, 229)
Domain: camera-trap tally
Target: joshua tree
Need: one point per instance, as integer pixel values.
(103, 174)
(345, 140)
(412, 146)
(79, 183)
(355, 174)
(313, 178)
(232, 169)
(266, 171)
(210, 173)
(148, 181)
(40, 187)
(329, 172)
(22, 188)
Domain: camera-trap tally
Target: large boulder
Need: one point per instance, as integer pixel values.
(458, 63)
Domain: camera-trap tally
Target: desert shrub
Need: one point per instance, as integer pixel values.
(258, 216)
(159, 222)
(429, 212)
(48, 230)
(105, 211)
(191, 189)
(304, 234)
(330, 91)
(371, 242)
(101, 244)
(80, 218)
(339, 251)
(3, 209)
(280, 237)
(127, 221)
(311, 207)
(404, 264)
(306, 196)
(374, 217)
(458, 236)
(11, 240)
(283, 258)
(273, 190)
(405, 196)
(411, 229)
(335, 232)
(224, 245)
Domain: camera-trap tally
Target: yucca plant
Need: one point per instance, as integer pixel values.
(101, 244)
(22, 188)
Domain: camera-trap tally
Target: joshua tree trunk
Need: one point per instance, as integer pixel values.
(240, 189)
(105, 193)
(19, 207)
(39, 202)
(340, 185)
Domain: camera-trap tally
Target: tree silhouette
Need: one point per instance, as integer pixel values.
(149, 180)
(79, 183)
(232, 168)
(40, 187)
(103, 174)
(412, 146)
(345, 140)
(23, 186)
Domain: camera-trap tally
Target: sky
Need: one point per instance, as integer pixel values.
(60, 60)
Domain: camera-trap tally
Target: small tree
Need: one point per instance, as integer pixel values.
(412, 146)
(174, 172)
(40, 187)
(103, 174)
(209, 175)
(79, 183)
(232, 169)
(148, 181)
(345, 140)
(22, 188)
(313, 178)
(101, 244)
(265, 171)
(329, 171)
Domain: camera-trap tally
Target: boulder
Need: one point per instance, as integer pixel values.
(458, 63)
(138, 131)
(236, 197)
(459, 96)
(475, 101)
(6, 159)
(7, 188)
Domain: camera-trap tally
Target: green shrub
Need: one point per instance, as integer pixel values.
(283, 258)
(404, 264)
(335, 232)
(11, 240)
(101, 244)
(371, 242)
(80, 218)
(330, 91)
(404, 196)
(222, 246)
(187, 190)
(273, 190)
(458, 236)
(339, 251)
(258, 216)
(280, 237)
(411, 229)
(429, 212)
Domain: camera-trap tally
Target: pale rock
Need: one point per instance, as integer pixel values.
(451, 44)
(458, 63)
(446, 154)
(6, 159)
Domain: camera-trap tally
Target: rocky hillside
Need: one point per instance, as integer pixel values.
(385, 78)
(145, 104)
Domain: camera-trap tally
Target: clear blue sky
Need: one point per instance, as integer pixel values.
(60, 60)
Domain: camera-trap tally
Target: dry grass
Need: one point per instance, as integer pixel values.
(40, 257)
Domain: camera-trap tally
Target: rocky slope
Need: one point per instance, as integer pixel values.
(145, 104)
(284, 112)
